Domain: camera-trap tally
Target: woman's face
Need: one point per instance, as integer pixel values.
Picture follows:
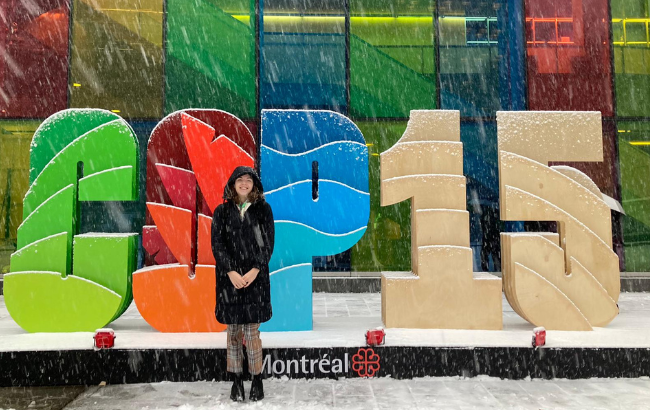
(244, 185)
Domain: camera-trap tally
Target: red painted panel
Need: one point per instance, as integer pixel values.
(205, 256)
(179, 216)
(214, 156)
(568, 58)
(154, 244)
(180, 185)
(34, 64)
(175, 226)
(170, 301)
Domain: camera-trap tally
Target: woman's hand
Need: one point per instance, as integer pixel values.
(250, 276)
(237, 280)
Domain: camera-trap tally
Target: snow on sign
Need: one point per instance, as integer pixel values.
(61, 281)
(190, 156)
(568, 280)
(314, 167)
(426, 165)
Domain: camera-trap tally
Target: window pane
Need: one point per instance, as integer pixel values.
(34, 62)
(210, 56)
(470, 56)
(392, 69)
(303, 54)
(117, 56)
(479, 140)
(568, 55)
(630, 21)
(386, 245)
(15, 139)
(634, 156)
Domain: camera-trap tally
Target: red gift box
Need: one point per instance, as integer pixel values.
(375, 337)
(104, 338)
(539, 337)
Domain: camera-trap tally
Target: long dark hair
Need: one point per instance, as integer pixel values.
(253, 196)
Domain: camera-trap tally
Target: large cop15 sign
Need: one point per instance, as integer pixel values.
(314, 167)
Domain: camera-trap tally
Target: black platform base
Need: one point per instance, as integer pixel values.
(88, 367)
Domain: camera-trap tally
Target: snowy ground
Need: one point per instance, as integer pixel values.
(427, 393)
(341, 320)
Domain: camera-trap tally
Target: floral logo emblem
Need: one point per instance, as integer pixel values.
(365, 362)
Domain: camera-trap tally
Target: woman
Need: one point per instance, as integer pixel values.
(242, 244)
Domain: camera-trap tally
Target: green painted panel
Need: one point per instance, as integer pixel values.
(59, 130)
(210, 56)
(115, 184)
(632, 71)
(108, 146)
(98, 289)
(54, 215)
(108, 260)
(634, 157)
(386, 245)
(392, 58)
(46, 302)
(382, 86)
(633, 95)
(47, 254)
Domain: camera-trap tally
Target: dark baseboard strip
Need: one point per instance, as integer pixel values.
(346, 285)
(60, 368)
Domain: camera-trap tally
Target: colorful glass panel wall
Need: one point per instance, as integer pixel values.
(302, 62)
(470, 79)
(479, 140)
(386, 245)
(634, 157)
(117, 56)
(392, 68)
(568, 55)
(15, 139)
(631, 34)
(210, 56)
(33, 57)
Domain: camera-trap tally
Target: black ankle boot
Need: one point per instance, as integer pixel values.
(237, 391)
(257, 389)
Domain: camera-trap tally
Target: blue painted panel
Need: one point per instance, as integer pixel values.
(291, 299)
(304, 227)
(298, 243)
(302, 70)
(294, 203)
(330, 157)
(297, 131)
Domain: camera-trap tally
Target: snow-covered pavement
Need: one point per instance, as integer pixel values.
(341, 319)
(384, 393)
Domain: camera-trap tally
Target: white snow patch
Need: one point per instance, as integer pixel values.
(317, 148)
(309, 181)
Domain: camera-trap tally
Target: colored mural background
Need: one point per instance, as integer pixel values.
(372, 61)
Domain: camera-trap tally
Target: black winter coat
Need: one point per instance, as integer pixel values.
(240, 245)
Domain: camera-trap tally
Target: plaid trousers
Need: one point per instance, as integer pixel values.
(235, 355)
